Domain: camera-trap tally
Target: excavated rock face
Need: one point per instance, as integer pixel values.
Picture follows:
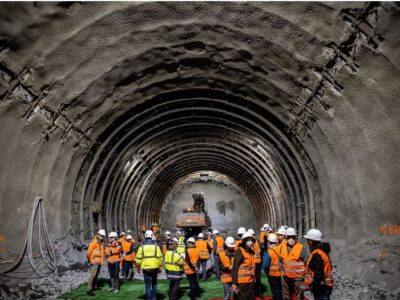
(104, 107)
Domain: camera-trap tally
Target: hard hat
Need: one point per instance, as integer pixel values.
(122, 234)
(178, 233)
(251, 231)
(113, 235)
(272, 238)
(215, 231)
(174, 241)
(201, 235)
(129, 237)
(148, 234)
(291, 232)
(314, 235)
(266, 225)
(246, 235)
(262, 228)
(281, 231)
(208, 233)
(230, 242)
(241, 230)
(101, 232)
(167, 233)
(191, 240)
(129, 231)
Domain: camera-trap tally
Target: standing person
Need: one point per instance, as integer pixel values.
(113, 253)
(319, 274)
(128, 251)
(149, 258)
(191, 270)
(226, 256)
(257, 261)
(243, 269)
(272, 266)
(167, 243)
(294, 256)
(173, 264)
(218, 246)
(204, 250)
(122, 237)
(181, 242)
(95, 256)
(240, 232)
(281, 234)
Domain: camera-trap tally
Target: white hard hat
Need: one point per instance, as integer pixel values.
(281, 230)
(129, 237)
(272, 238)
(246, 235)
(266, 225)
(314, 235)
(191, 240)
(102, 232)
(167, 233)
(262, 228)
(230, 242)
(201, 235)
(178, 233)
(241, 230)
(148, 234)
(291, 232)
(251, 231)
(129, 231)
(122, 233)
(174, 241)
(215, 231)
(112, 235)
(208, 233)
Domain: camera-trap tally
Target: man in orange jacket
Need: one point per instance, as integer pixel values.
(205, 250)
(95, 256)
(190, 267)
(113, 253)
(218, 246)
(128, 250)
(226, 257)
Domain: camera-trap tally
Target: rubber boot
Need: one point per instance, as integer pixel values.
(116, 286)
(111, 289)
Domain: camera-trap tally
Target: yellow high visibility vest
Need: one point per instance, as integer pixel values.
(149, 257)
(173, 263)
(181, 245)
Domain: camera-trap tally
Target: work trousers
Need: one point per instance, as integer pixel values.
(275, 283)
(150, 280)
(173, 290)
(113, 269)
(203, 269)
(257, 283)
(291, 287)
(322, 293)
(194, 286)
(127, 266)
(217, 268)
(246, 292)
(93, 274)
(227, 290)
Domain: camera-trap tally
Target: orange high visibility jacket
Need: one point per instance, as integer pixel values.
(126, 247)
(292, 264)
(227, 264)
(202, 246)
(237, 242)
(113, 253)
(194, 255)
(95, 252)
(257, 252)
(309, 277)
(121, 239)
(247, 267)
(276, 266)
(220, 244)
(262, 235)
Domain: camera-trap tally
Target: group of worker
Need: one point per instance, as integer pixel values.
(238, 263)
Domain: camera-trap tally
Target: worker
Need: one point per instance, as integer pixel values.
(190, 266)
(262, 233)
(240, 232)
(218, 246)
(205, 250)
(281, 234)
(243, 269)
(129, 255)
(210, 242)
(272, 266)
(149, 258)
(168, 240)
(173, 264)
(319, 275)
(95, 256)
(226, 257)
(181, 242)
(122, 236)
(294, 256)
(114, 255)
(257, 261)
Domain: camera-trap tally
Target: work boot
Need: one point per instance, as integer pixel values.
(112, 288)
(90, 293)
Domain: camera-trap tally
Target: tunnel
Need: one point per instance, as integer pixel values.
(113, 113)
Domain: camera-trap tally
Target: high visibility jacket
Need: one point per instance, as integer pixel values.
(113, 253)
(276, 266)
(247, 267)
(262, 235)
(257, 252)
(173, 263)
(292, 264)
(227, 264)
(126, 247)
(194, 255)
(237, 243)
(149, 256)
(95, 252)
(202, 246)
(121, 239)
(309, 277)
(219, 240)
(181, 245)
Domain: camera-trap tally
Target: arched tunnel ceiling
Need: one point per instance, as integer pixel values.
(106, 106)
